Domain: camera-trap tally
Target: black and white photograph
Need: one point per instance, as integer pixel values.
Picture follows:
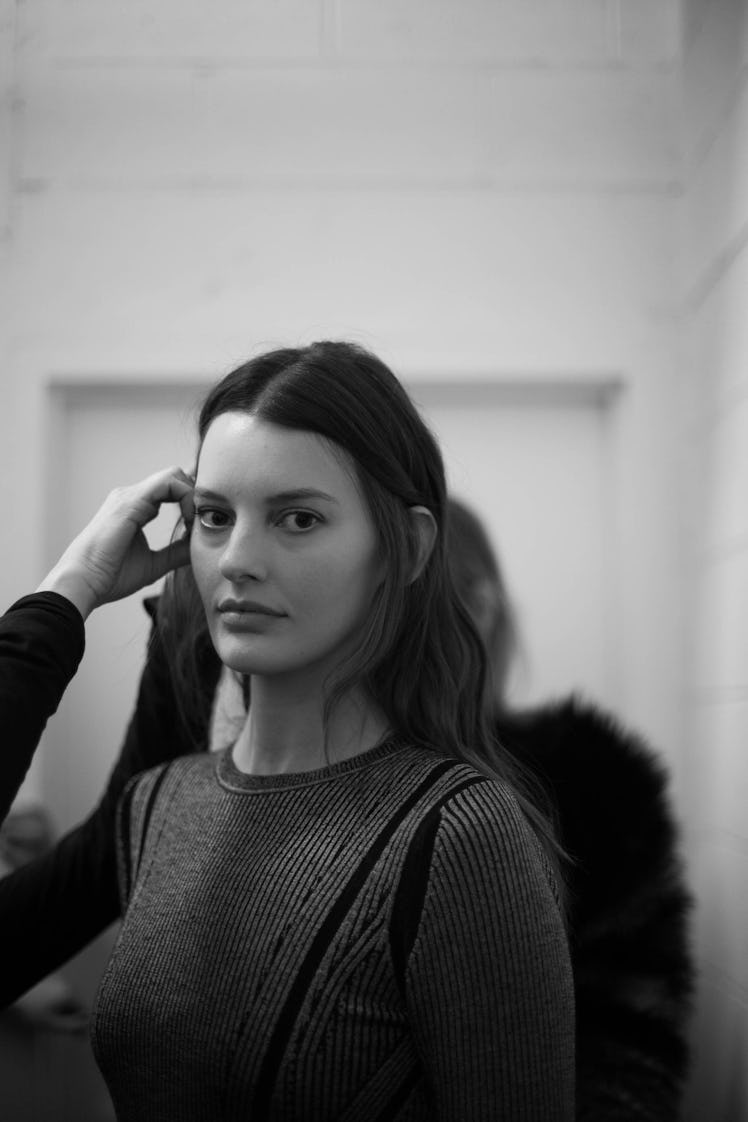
(374, 583)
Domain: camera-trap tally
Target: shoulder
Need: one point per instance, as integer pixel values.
(483, 807)
(144, 810)
(458, 798)
(474, 832)
(484, 833)
(474, 857)
(460, 805)
(160, 785)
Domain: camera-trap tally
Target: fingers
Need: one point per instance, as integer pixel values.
(111, 558)
(172, 556)
(171, 485)
(187, 506)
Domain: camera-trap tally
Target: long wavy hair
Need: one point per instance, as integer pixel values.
(481, 586)
(419, 656)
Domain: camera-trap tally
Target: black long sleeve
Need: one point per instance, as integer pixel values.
(42, 640)
(53, 907)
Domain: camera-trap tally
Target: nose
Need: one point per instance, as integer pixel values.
(243, 557)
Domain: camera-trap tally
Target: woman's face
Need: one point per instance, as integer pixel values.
(283, 549)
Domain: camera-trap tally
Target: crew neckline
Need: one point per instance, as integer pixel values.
(230, 776)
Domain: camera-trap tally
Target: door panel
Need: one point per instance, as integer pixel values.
(533, 461)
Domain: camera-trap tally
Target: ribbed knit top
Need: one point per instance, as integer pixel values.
(378, 939)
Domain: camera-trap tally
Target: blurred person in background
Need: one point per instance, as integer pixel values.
(628, 905)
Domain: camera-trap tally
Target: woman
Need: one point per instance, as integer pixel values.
(628, 903)
(350, 913)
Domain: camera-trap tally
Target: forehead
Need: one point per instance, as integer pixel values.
(242, 453)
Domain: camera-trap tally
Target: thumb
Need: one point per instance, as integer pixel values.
(172, 556)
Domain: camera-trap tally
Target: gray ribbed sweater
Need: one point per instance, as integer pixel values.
(378, 939)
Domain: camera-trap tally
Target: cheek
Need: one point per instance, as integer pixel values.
(340, 583)
(203, 566)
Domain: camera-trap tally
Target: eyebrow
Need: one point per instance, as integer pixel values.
(294, 495)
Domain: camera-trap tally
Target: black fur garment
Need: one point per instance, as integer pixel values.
(628, 908)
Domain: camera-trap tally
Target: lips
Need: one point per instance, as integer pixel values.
(240, 608)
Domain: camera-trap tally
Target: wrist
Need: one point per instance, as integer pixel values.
(73, 587)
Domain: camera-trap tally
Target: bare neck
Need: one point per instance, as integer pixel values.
(284, 731)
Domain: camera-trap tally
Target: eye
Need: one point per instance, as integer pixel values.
(212, 519)
(298, 521)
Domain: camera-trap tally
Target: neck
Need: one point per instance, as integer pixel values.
(284, 731)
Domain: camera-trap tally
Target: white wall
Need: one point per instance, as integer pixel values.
(715, 418)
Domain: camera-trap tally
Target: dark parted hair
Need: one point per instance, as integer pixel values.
(419, 656)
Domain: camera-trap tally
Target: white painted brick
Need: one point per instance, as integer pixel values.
(723, 899)
(727, 518)
(694, 491)
(719, 1068)
(717, 336)
(649, 32)
(84, 30)
(698, 386)
(5, 166)
(717, 203)
(715, 51)
(693, 14)
(737, 1082)
(609, 127)
(722, 615)
(299, 125)
(732, 350)
(721, 765)
(508, 31)
(7, 51)
(452, 277)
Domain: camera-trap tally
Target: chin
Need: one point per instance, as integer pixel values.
(243, 662)
(274, 664)
(238, 656)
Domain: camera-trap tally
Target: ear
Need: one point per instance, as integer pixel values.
(423, 526)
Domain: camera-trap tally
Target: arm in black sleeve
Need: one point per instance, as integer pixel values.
(53, 907)
(42, 639)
